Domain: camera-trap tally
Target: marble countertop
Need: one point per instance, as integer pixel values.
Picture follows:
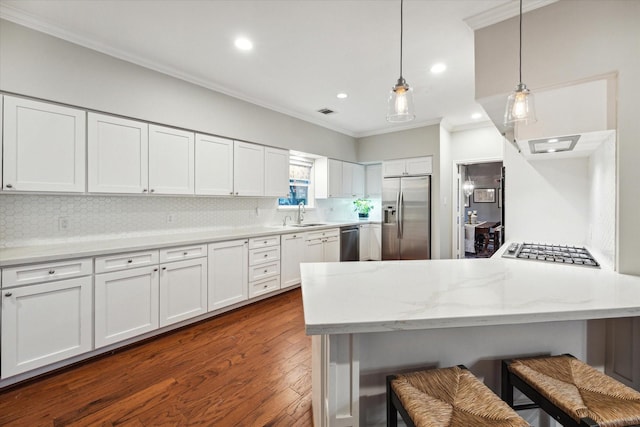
(361, 297)
(104, 246)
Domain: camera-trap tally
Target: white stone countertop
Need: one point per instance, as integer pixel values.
(359, 297)
(104, 246)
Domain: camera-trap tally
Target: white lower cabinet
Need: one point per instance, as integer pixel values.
(183, 290)
(370, 242)
(264, 265)
(623, 350)
(292, 254)
(126, 304)
(322, 246)
(45, 323)
(228, 273)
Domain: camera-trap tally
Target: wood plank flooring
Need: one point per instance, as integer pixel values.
(249, 367)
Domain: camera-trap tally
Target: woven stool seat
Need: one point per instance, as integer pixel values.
(450, 397)
(579, 390)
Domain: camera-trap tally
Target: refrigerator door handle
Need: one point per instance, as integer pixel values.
(401, 215)
(398, 211)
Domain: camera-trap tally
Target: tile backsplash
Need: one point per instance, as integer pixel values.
(40, 219)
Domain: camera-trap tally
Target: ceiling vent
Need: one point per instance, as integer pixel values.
(326, 111)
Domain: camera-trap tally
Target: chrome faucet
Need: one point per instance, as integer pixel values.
(301, 213)
(284, 221)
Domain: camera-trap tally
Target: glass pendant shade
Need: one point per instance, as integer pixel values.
(468, 187)
(520, 106)
(400, 108)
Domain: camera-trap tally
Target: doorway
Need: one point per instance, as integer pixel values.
(480, 208)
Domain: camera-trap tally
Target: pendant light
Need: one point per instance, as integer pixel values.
(520, 106)
(400, 108)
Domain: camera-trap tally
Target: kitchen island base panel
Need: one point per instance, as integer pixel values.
(349, 370)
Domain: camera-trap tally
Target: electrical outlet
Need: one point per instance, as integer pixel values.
(171, 218)
(63, 223)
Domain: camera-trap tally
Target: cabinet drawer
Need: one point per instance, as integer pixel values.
(314, 235)
(261, 256)
(264, 286)
(184, 252)
(27, 274)
(126, 261)
(264, 271)
(263, 242)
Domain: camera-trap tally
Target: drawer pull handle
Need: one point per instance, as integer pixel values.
(266, 255)
(164, 268)
(155, 269)
(265, 242)
(265, 286)
(9, 186)
(144, 190)
(52, 271)
(8, 294)
(129, 261)
(153, 191)
(185, 253)
(266, 271)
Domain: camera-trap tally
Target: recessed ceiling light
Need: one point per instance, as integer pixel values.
(438, 68)
(243, 43)
(342, 95)
(476, 116)
(552, 140)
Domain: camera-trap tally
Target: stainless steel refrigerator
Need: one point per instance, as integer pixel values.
(406, 218)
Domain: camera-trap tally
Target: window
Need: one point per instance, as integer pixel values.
(300, 182)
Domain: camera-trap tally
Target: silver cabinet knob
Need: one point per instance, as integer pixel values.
(236, 193)
(144, 190)
(185, 253)
(8, 294)
(155, 269)
(153, 191)
(231, 193)
(266, 271)
(52, 271)
(164, 268)
(9, 185)
(129, 261)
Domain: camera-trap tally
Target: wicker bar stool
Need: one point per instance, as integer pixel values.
(446, 397)
(572, 392)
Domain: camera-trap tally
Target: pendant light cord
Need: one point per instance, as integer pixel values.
(401, 28)
(520, 53)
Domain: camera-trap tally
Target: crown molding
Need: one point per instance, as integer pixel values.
(399, 128)
(504, 12)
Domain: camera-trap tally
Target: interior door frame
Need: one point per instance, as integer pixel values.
(457, 217)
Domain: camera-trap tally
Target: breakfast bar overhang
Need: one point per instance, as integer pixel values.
(371, 319)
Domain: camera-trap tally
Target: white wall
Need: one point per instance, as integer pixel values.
(423, 141)
(602, 203)
(567, 42)
(42, 66)
(475, 145)
(447, 203)
(548, 200)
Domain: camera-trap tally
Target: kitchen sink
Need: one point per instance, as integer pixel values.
(308, 224)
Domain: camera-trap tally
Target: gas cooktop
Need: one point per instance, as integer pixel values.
(551, 253)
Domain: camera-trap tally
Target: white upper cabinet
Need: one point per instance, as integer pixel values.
(412, 166)
(118, 155)
(248, 169)
(276, 172)
(171, 160)
(44, 146)
(214, 165)
(352, 180)
(373, 186)
(328, 177)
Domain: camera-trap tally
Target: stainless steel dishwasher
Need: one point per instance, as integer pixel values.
(350, 243)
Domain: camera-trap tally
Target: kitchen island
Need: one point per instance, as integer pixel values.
(371, 319)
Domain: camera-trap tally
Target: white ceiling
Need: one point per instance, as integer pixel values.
(305, 51)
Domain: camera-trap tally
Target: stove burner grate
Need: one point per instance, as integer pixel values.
(556, 253)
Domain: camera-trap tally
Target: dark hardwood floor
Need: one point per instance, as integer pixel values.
(250, 367)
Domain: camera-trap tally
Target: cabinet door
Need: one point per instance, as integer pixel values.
(347, 179)
(419, 166)
(214, 165)
(623, 350)
(357, 181)
(44, 146)
(171, 160)
(276, 172)
(375, 239)
(393, 168)
(183, 290)
(365, 243)
(335, 178)
(126, 304)
(373, 187)
(248, 169)
(292, 254)
(118, 155)
(228, 273)
(45, 323)
(332, 249)
(314, 250)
